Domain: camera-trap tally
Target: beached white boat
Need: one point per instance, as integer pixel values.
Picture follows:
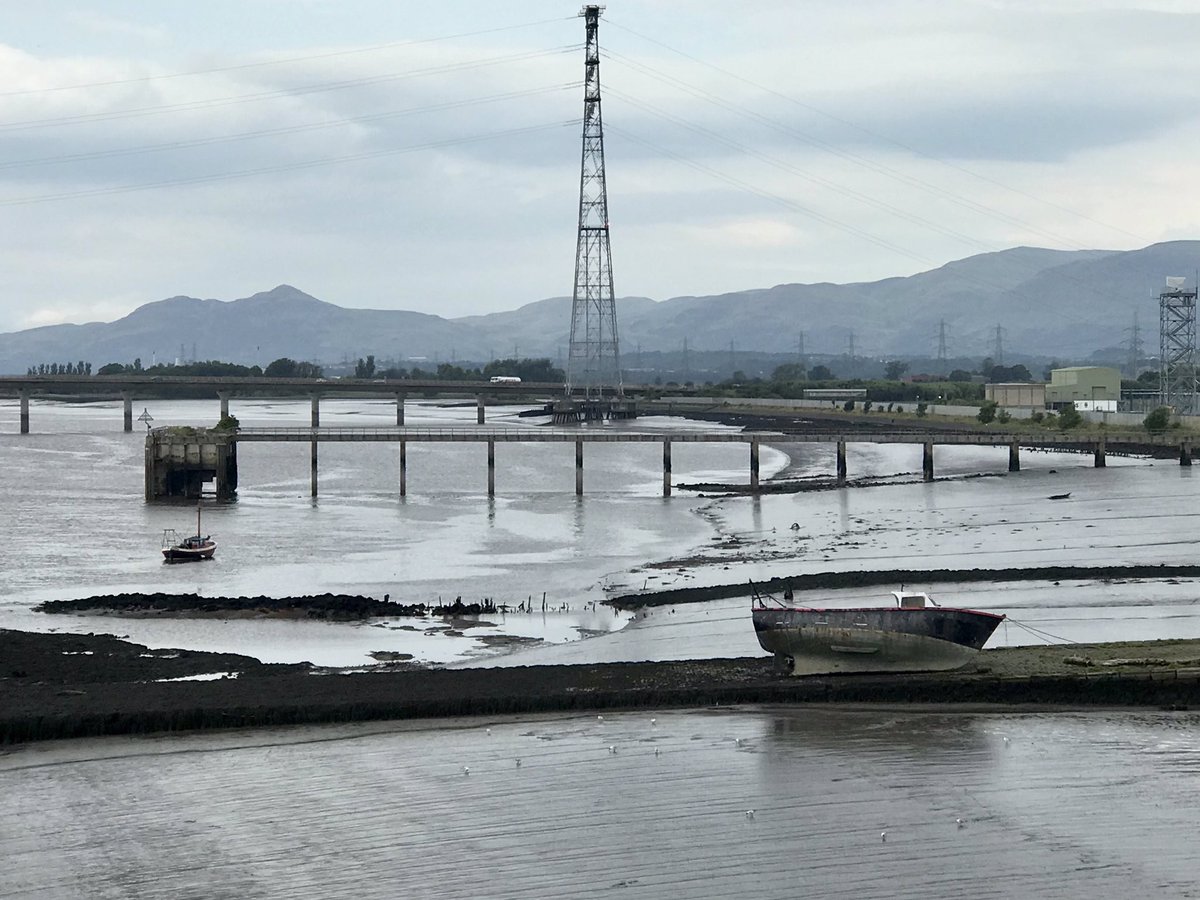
(913, 634)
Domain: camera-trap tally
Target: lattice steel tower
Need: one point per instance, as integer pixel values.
(593, 361)
(1177, 346)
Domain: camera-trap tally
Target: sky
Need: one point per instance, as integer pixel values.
(389, 154)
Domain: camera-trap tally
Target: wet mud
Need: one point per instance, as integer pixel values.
(896, 577)
(62, 686)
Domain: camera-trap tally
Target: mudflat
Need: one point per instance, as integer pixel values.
(63, 685)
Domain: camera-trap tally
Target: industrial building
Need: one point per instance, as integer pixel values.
(1088, 387)
(1017, 394)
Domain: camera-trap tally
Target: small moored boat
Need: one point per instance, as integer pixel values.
(914, 635)
(189, 549)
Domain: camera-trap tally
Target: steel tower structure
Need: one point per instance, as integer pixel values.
(1177, 346)
(593, 360)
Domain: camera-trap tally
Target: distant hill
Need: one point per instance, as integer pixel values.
(1049, 303)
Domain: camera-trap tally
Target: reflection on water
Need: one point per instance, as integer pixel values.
(715, 803)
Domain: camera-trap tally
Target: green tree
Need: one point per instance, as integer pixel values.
(788, 372)
(365, 367)
(895, 369)
(1158, 420)
(922, 408)
(1069, 416)
(1003, 416)
(820, 373)
(987, 411)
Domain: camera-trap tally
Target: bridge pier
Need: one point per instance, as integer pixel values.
(1185, 452)
(927, 461)
(313, 472)
(24, 395)
(754, 465)
(403, 468)
(223, 396)
(491, 468)
(316, 410)
(578, 468)
(128, 398)
(479, 416)
(1014, 457)
(841, 462)
(1099, 454)
(399, 407)
(667, 468)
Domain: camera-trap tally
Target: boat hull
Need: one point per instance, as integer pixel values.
(830, 641)
(188, 554)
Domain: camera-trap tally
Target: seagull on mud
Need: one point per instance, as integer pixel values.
(883, 836)
(960, 823)
(466, 770)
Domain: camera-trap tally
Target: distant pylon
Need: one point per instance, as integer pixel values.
(998, 347)
(942, 363)
(593, 359)
(800, 357)
(1135, 348)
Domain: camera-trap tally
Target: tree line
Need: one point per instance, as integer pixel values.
(539, 370)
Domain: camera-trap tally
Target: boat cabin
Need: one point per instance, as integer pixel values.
(912, 599)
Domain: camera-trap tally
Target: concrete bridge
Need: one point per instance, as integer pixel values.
(129, 387)
(170, 450)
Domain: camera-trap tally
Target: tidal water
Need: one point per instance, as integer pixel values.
(709, 803)
(846, 802)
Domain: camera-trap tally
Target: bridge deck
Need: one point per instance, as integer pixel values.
(605, 434)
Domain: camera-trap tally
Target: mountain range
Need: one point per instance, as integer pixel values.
(1053, 303)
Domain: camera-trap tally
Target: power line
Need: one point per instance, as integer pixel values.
(867, 131)
(319, 87)
(142, 79)
(273, 132)
(290, 167)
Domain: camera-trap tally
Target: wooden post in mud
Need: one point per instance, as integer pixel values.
(479, 409)
(399, 408)
(127, 397)
(316, 423)
(1185, 452)
(667, 467)
(841, 462)
(927, 461)
(578, 468)
(1099, 454)
(754, 465)
(403, 468)
(491, 468)
(1014, 457)
(24, 412)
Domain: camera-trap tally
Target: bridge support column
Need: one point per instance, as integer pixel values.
(1099, 455)
(927, 461)
(841, 462)
(1185, 452)
(316, 410)
(399, 408)
(1014, 457)
(667, 468)
(24, 412)
(127, 397)
(313, 473)
(479, 417)
(754, 465)
(403, 468)
(578, 468)
(491, 468)
(223, 396)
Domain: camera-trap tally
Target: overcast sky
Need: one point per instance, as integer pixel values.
(401, 155)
